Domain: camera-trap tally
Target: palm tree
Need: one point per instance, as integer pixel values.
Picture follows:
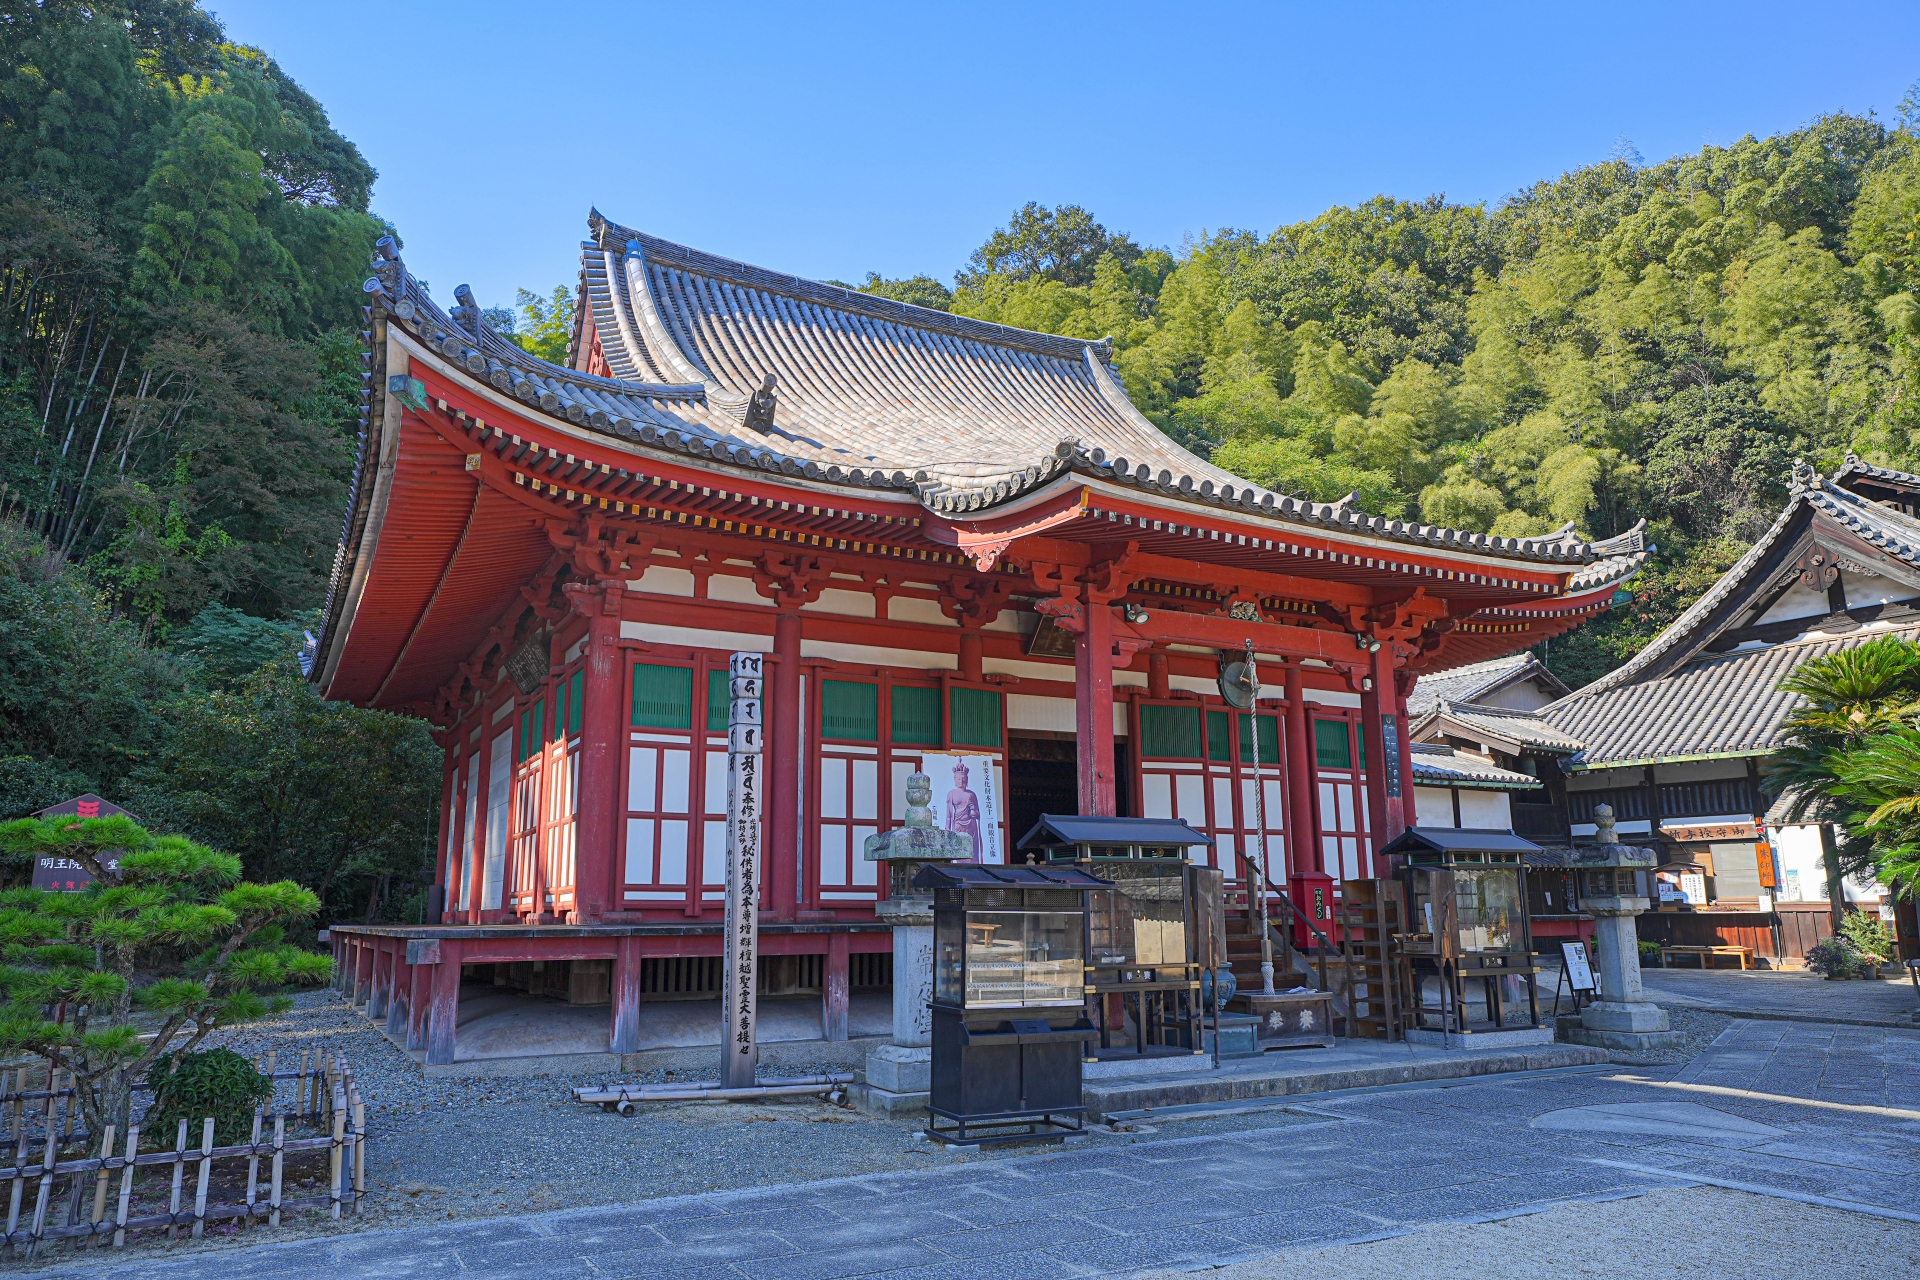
(1885, 774)
(1851, 698)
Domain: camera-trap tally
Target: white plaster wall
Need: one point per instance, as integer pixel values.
(1696, 771)
(1025, 711)
(1523, 695)
(1872, 589)
(848, 604)
(1432, 807)
(735, 591)
(663, 580)
(1485, 809)
(1798, 602)
(917, 609)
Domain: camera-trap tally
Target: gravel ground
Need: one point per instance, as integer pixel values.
(1703, 1233)
(440, 1149)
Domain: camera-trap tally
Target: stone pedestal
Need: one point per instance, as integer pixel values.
(899, 1076)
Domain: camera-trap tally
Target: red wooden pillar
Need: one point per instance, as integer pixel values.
(362, 970)
(624, 1035)
(382, 980)
(971, 661)
(446, 1004)
(1386, 792)
(596, 838)
(1093, 710)
(1402, 686)
(449, 823)
(1302, 842)
(419, 989)
(835, 985)
(1158, 684)
(399, 987)
(784, 763)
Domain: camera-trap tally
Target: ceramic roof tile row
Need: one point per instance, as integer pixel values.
(1437, 765)
(1716, 705)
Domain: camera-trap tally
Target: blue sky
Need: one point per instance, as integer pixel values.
(831, 140)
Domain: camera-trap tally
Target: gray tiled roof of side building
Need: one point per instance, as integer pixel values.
(1718, 704)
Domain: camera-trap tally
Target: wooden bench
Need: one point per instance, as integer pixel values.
(1707, 955)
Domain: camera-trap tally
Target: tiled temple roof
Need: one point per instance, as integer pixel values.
(1718, 704)
(1527, 730)
(1438, 765)
(1470, 683)
(873, 393)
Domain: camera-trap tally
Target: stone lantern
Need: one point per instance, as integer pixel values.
(899, 1075)
(1609, 892)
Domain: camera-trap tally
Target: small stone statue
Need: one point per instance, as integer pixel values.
(904, 848)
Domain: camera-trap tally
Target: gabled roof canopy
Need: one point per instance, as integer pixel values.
(1708, 685)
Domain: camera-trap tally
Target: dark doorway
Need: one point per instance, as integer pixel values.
(1043, 777)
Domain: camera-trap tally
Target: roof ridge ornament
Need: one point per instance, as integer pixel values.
(1804, 476)
(760, 406)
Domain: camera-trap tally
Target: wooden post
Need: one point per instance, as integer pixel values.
(363, 972)
(784, 765)
(1159, 685)
(359, 1151)
(46, 1185)
(380, 978)
(179, 1172)
(446, 1004)
(1384, 787)
(834, 988)
(100, 1187)
(126, 1187)
(624, 1035)
(333, 1158)
(1093, 711)
(972, 659)
(602, 763)
(19, 1182)
(399, 989)
(200, 1188)
(253, 1163)
(279, 1153)
(419, 984)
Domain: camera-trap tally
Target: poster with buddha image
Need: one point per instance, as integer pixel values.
(966, 799)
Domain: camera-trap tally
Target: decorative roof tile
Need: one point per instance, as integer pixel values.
(1525, 730)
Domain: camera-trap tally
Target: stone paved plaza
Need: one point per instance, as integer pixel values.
(1791, 993)
(1820, 1114)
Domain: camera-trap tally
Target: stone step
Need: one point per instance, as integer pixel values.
(1350, 1065)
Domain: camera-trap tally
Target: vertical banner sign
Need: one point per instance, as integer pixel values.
(1390, 736)
(739, 1004)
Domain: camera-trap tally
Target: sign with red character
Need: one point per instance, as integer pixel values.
(64, 875)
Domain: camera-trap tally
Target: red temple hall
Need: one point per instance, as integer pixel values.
(956, 544)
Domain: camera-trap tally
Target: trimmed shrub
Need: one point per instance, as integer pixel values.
(192, 1086)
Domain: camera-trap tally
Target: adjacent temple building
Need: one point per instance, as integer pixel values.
(949, 538)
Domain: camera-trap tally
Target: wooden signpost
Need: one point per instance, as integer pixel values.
(745, 745)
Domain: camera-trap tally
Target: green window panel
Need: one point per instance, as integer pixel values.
(662, 696)
(719, 699)
(1269, 739)
(1360, 736)
(850, 710)
(1330, 744)
(560, 708)
(1218, 740)
(975, 717)
(576, 692)
(916, 715)
(532, 721)
(1170, 731)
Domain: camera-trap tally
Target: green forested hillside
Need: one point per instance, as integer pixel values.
(182, 241)
(1628, 340)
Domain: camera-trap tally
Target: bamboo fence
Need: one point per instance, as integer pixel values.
(323, 1093)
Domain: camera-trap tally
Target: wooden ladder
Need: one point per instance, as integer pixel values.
(1371, 912)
